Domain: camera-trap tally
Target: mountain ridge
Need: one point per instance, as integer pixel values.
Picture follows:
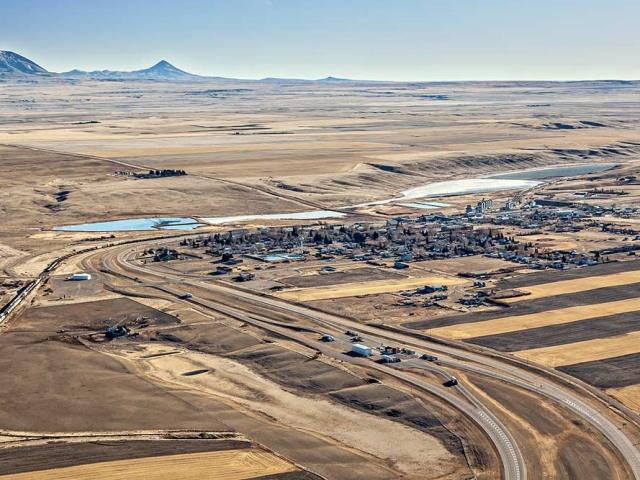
(162, 70)
(13, 64)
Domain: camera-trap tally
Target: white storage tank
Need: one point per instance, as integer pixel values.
(81, 276)
(362, 350)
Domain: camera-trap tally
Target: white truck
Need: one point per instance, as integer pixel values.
(361, 350)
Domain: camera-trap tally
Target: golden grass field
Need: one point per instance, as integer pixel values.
(534, 320)
(150, 152)
(570, 353)
(630, 395)
(577, 285)
(365, 288)
(221, 465)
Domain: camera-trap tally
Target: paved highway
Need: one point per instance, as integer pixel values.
(479, 364)
(513, 463)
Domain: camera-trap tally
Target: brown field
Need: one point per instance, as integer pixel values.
(533, 307)
(382, 308)
(339, 278)
(453, 266)
(365, 288)
(254, 148)
(588, 351)
(415, 453)
(539, 278)
(613, 372)
(524, 322)
(552, 438)
(155, 382)
(224, 465)
(573, 286)
(34, 455)
(572, 332)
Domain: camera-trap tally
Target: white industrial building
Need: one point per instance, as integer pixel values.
(81, 276)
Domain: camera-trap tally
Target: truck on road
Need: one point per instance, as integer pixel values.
(361, 350)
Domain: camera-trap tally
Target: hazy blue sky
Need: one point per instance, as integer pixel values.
(366, 39)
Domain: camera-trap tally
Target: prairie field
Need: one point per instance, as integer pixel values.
(222, 465)
(206, 395)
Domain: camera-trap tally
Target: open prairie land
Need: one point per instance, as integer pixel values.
(254, 148)
(192, 373)
(240, 382)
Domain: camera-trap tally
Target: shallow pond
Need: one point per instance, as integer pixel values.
(518, 180)
(312, 215)
(555, 172)
(135, 224)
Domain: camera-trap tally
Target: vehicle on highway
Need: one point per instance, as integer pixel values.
(361, 350)
(390, 359)
(430, 358)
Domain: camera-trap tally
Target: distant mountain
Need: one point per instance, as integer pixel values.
(162, 70)
(334, 80)
(12, 64)
(320, 80)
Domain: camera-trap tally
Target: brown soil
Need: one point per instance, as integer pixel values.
(50, 385)
(612, 372)
(58, 455)
(601, 327)
(90, 316)
(553, 440)
(385, 401)
(339, 278)
(296, 371)
(384, 308)
(541, 278)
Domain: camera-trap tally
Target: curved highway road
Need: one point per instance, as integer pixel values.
(495, 368)
(510, 455)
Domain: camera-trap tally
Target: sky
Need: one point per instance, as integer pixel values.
(403, 40)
